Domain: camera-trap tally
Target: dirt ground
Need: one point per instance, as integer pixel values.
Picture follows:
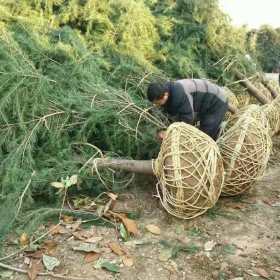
(238, 239)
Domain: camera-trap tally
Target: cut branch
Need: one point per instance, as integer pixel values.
(136, 166)
(251, 88)
(265, 82)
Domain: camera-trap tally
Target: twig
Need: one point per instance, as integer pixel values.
(33, 242)
(23, 193)
(58, 276)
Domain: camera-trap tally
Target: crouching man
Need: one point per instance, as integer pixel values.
(191, 100)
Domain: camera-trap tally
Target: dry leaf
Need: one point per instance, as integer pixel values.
(73, 180)
(129, 224)
(238, 206)
(91, 257)
(153, 229)
(50, 262)
(115, 247)
(34, 270)
(87, 247)
(35, 255)
(67, 219)
(127, 261)
(75, 226)
(49, 247)
(262, 273)
(165, 255)
(277, 269)
(112, 196)
(23, 240)
(27, 260)
(269, 201)
(94, 239)
(208, 246)
(57, 185)
(57, 229)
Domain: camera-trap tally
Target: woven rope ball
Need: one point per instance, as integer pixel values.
(231, 99)
(190, 171)
(245, 148)
(276, 104)
(273, 115)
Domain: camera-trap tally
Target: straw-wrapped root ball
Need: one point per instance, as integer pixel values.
(190, 171)
(245, 148)
(231, 100)
(272, 114)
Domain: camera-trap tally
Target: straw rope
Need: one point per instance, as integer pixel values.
(245, 148)
(243, 99)
(190, 171)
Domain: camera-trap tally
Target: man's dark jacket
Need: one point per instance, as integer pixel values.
(191, 100)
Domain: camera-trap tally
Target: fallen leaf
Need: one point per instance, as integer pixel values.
(57, 185)
(35, 255)
(50, 262)
(73, 180)
(123, 232)
(165, 254)
(35, 268)
(115, 247)
(87, 247)
(49, 247)
(27, 261)
(24, 239)
(239, 206)
(110, 266)
(67, 219)
(75, 226)
(270, 201)
(94, 239)
(127, 261)
(129, 224)
(91, 257)
(153, 229)
(57, 229)
(112, 196)
(208, 246)
(277, 269)
(262, 273)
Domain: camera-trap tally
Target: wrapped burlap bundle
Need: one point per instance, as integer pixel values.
(190, 171)
(245, 147)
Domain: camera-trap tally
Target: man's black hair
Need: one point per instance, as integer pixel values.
(156, 90)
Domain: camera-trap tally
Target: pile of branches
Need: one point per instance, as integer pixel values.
(57, 111)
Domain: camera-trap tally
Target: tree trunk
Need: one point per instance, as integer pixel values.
(251, 88)
(135, 166)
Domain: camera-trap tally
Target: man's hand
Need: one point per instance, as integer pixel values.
(161, 135)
